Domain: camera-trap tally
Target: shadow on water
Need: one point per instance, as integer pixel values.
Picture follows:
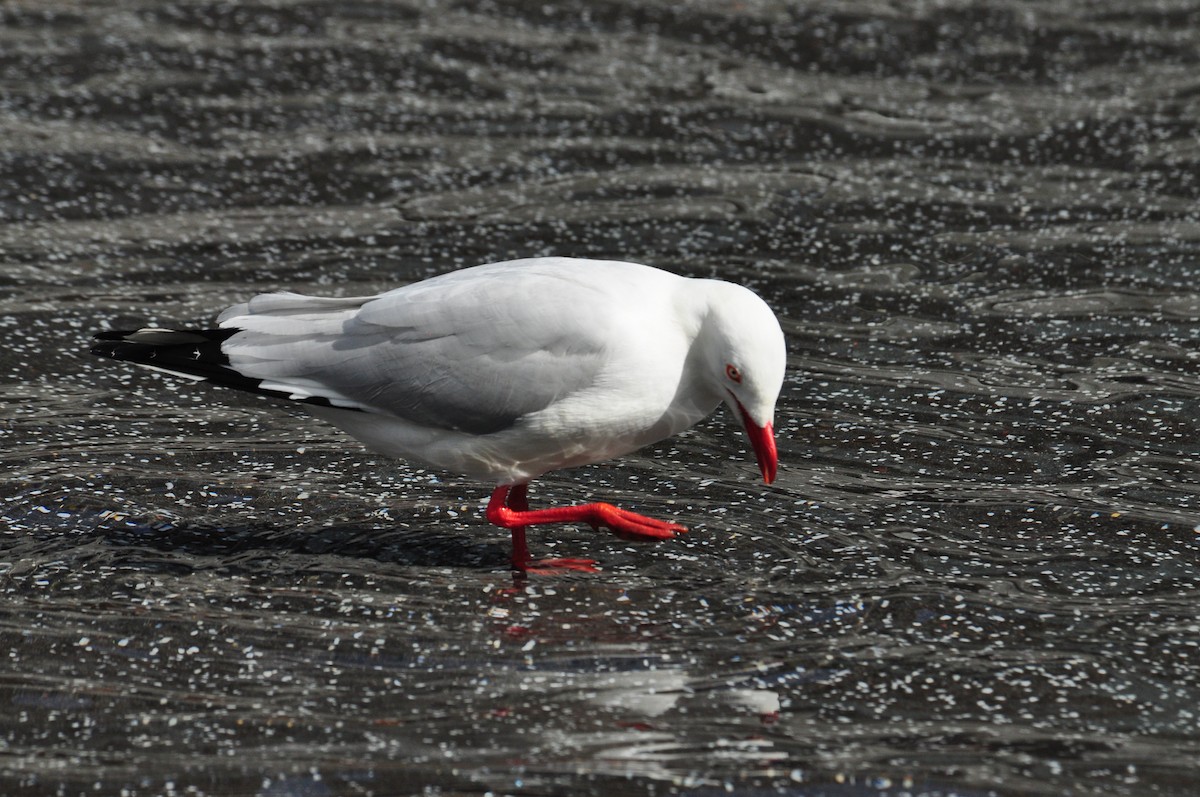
(247, 549)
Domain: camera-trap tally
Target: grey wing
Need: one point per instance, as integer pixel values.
(463, 355)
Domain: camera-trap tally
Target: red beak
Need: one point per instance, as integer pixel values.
(762, 438)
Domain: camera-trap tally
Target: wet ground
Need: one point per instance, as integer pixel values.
(977, 573)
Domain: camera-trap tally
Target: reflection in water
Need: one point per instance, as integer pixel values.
(975, 575)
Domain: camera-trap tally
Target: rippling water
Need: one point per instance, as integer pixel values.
(977, 573)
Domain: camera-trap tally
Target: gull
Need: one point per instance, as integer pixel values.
(503, 372)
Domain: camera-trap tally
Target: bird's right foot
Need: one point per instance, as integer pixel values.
(556, 567)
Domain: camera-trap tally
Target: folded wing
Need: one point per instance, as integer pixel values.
(466, 353)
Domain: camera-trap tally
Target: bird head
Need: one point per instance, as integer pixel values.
(746, 358)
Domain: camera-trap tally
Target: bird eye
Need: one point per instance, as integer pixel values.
(733, 373)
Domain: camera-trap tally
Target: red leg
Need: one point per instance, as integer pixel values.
(509, 508)
(621, 522)
(518, 497)
(517, 500)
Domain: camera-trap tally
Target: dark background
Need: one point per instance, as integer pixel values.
(977, 573)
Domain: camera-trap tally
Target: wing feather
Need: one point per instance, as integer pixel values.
(468, 351)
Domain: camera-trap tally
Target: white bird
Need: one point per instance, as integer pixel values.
(503, 372)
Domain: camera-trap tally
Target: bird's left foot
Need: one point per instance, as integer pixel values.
(630, 525)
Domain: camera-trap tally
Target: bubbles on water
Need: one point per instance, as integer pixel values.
(982, 546)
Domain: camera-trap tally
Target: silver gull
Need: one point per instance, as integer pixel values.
(503, 372)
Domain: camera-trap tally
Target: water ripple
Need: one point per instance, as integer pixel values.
(976, 573)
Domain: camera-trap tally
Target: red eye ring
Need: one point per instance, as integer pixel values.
(733, 373)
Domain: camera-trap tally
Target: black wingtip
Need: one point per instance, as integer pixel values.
(102, 349)
(108, 342)
(191, 351)
(113, 334)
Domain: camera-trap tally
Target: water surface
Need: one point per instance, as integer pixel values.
(976, 575)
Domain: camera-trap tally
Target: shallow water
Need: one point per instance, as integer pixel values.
(977, 573)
